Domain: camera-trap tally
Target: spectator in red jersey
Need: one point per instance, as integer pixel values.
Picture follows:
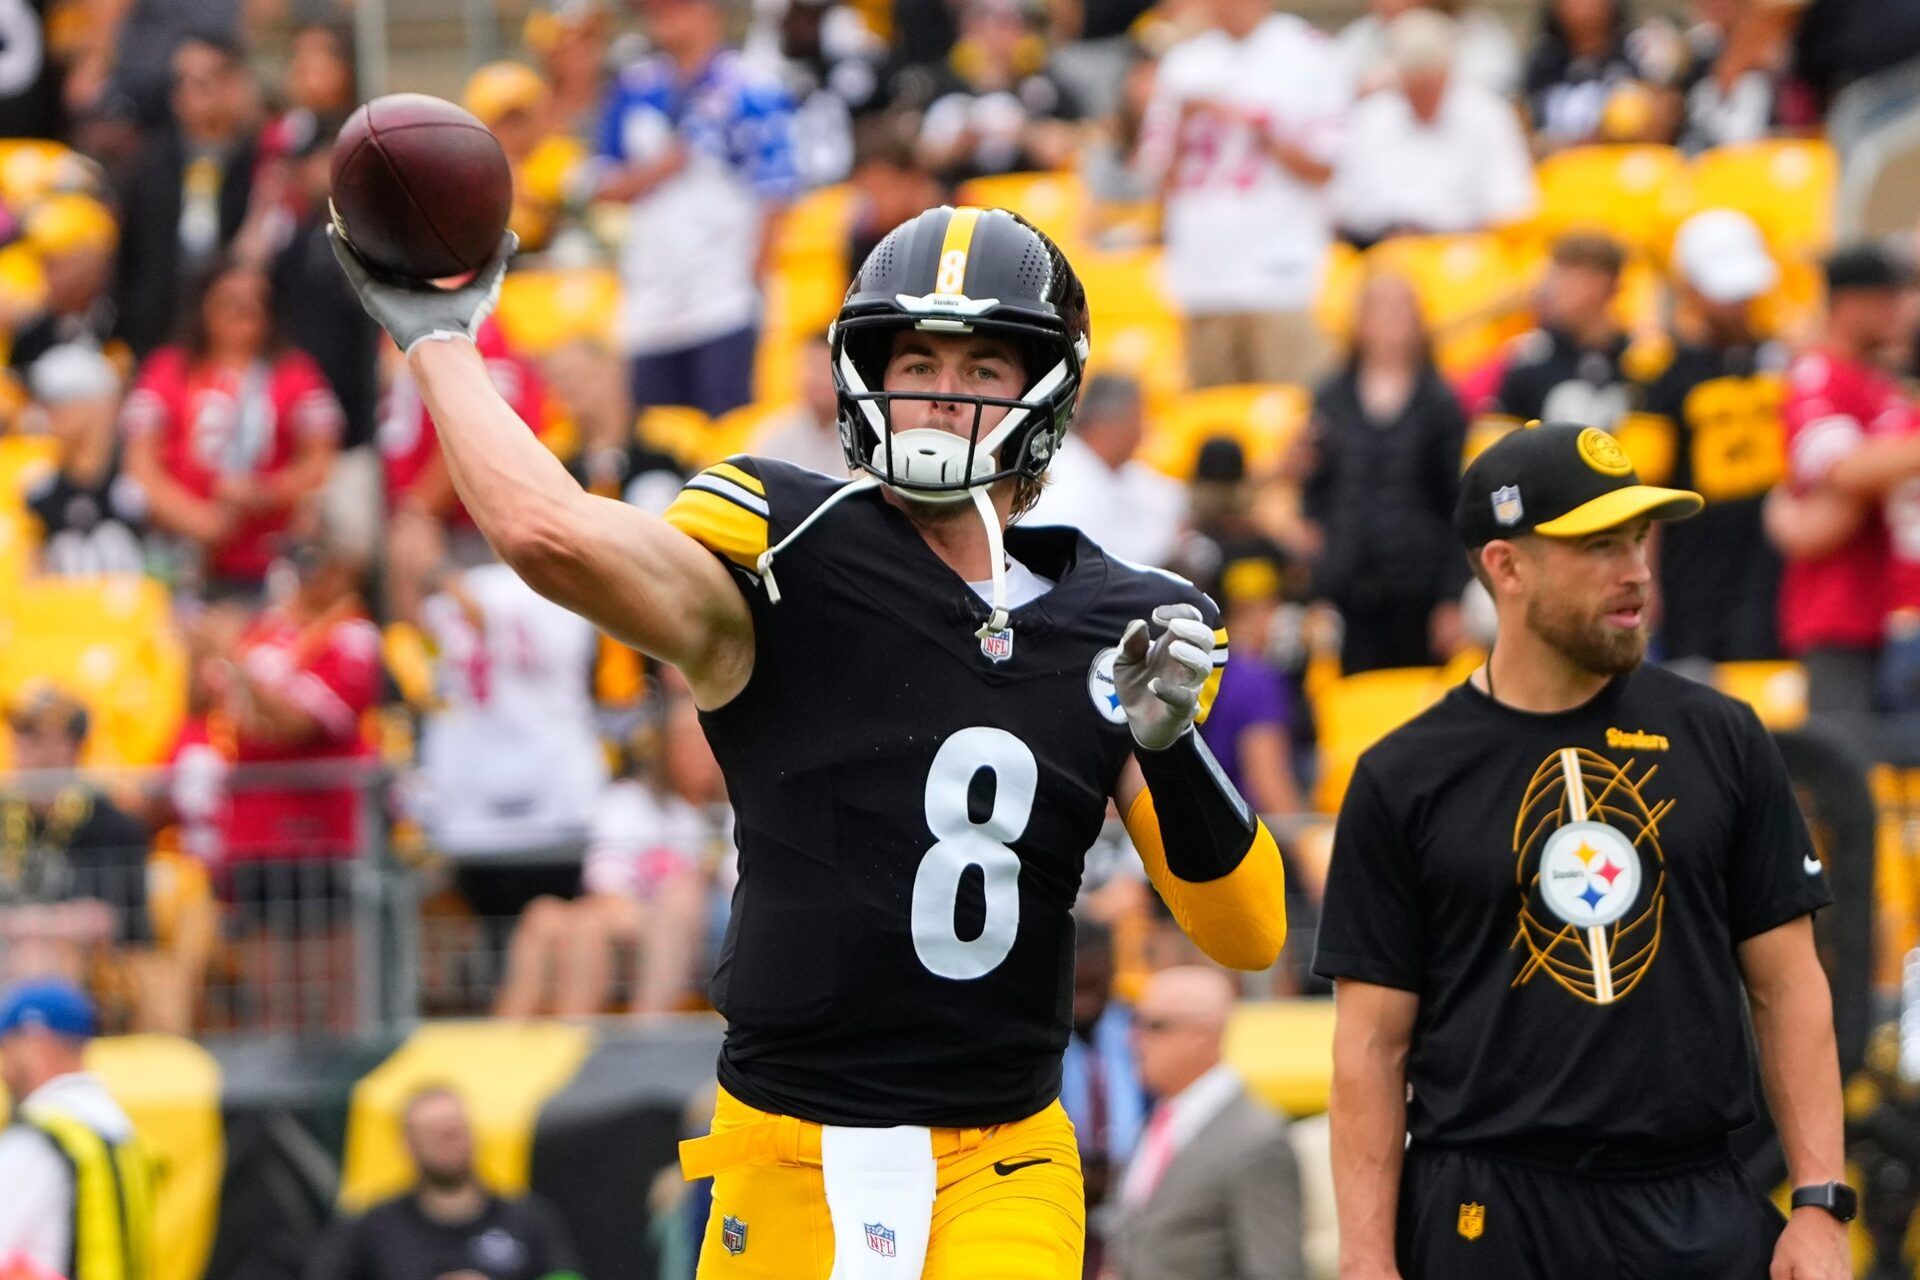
(231, 433)
(428, 525)
(291, 692)
(1848, 518)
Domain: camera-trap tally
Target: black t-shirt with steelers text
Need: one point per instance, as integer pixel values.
(913, 804)
(1565, 893)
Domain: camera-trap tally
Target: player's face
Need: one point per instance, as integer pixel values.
(957, 364)
(1589, 596)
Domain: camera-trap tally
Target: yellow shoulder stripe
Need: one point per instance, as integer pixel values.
(1211, 689)
(723, 527)
(745, 479)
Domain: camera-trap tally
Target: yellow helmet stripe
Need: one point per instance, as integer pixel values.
(950, 275)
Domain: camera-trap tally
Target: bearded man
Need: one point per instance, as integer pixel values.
(1546, 896)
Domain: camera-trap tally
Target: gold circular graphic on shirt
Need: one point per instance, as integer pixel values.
(1582, 811)
(1603, 453)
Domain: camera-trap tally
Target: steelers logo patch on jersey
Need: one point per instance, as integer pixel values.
(1101, 688)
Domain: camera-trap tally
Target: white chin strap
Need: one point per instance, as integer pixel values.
(927, 455)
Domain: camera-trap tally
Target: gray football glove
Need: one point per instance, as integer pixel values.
(413, 312)
(1159, 680)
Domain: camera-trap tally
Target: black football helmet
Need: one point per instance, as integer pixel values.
(960, 271)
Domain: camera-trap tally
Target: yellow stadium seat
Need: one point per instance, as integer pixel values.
(110, 643)
(804, 296)
(1283, 1049)
(23, 286)
(1785, 184)
(23, 459)
(1354, 712)
(1777, 691)
(542, 310)
(677, 429)
(1470, 287)
(1339, 291)
(1264, 417)
(1136, 329)
(1054, 202)
(1637, 194)
(817, 226)
(733, 432)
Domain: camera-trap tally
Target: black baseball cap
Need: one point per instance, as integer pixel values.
(1867, 265)
(1559, 480)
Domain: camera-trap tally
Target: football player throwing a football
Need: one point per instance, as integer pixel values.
(922, 714)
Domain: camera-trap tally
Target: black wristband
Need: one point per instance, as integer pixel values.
(1206, 827)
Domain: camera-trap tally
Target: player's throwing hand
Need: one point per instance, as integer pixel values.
(413, 311)
(1159, 680)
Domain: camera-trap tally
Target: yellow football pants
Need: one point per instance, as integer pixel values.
(1024, 1220)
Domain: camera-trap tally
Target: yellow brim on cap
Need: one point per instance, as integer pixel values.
(1611, 510)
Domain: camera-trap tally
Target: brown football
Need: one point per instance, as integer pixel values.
(420, 187)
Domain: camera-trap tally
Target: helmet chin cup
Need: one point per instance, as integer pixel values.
(930, 465)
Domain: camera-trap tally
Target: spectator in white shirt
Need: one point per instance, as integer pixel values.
(660, 840)
(1097, 486)
(1240, 140)
(1485, 54)
(1434, 153)
(699, 140)
(807, 432)
(1213, 1190)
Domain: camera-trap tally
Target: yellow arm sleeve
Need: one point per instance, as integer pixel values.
(1240, 919)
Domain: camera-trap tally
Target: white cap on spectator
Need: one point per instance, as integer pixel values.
(1420, 39)
(1721, 253)
(73, 371)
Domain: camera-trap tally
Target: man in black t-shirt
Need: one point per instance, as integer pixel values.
(449, 1225)
(1546, 896)
(73, 877)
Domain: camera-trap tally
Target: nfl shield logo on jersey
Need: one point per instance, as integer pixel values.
(998, 645)
(880, 1239)
(733, 1235)
(1506, 505)
(1473, 1221)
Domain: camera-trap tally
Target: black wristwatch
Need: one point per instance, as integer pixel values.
(1837, 1198)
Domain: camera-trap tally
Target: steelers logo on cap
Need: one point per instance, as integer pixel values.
(1589, 874)
(1603, 453)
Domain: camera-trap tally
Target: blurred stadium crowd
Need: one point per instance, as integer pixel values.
(1325, 267)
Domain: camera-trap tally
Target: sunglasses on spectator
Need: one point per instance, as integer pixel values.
(1155, 1026)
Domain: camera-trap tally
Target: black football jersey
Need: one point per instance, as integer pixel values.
(913, 804)
(1719, 572)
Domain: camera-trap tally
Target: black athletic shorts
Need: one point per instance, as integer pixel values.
(1469, 1216)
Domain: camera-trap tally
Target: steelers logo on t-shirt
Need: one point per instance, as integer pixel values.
(1592, 875)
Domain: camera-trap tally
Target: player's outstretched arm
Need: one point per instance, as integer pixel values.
(1211, 857)
(630, 573)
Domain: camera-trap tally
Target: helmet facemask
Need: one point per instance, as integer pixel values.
(933, 464)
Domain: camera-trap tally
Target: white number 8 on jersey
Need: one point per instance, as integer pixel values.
(961, 843)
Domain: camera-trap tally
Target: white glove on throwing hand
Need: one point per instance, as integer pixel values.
(1159, 681)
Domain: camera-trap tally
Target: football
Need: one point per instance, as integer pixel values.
(420, 187)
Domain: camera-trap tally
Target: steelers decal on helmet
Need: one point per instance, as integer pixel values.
(1603, 453)
(1591, 875)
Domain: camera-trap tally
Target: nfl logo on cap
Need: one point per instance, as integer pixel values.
(880, 1239)
(1506, 505)
(733, 1235)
